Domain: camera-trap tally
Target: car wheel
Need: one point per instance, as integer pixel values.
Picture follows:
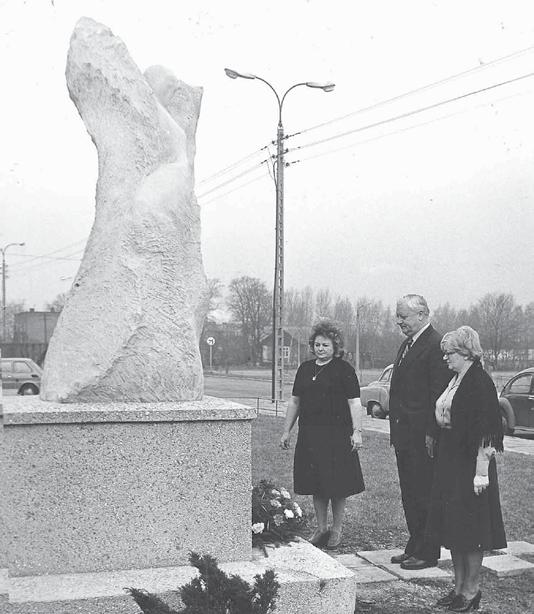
(507, 417)
(377, 411)
(28, 389)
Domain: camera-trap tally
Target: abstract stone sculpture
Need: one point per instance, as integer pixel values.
(130, 328)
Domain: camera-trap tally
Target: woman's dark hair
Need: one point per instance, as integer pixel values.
(332, 332)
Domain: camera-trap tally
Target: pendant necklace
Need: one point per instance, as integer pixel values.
(317, 372)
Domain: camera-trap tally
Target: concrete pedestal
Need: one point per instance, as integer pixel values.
(311, 582)
(97, 487)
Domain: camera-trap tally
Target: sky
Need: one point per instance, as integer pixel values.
(378, 202)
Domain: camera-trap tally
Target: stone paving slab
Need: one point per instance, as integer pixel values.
(364, 572)
(430, 573)
(518, 548)
(507, 565)
(382, 558)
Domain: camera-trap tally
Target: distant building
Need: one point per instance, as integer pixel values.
(295, 350)
(34, 326)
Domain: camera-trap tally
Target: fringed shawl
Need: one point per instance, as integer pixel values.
(475, 412)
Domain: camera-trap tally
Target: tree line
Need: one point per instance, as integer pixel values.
(506, 329)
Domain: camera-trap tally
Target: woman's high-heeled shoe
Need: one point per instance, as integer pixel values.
(447, 599)
(319, 538)
(461, 604)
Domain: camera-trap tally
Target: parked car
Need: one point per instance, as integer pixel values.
(375, 396)
(516, 400)
(517, 403)
(20, 374)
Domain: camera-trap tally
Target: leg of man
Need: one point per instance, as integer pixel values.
(408, 495)
(415, 477)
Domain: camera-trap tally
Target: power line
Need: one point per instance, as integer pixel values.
(410, 113)
(418, 90)
(25, 267)
(232, 190)
(232, 166)
(245, 172)
(399, 131)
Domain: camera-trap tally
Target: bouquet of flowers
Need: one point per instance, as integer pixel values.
(275, 517)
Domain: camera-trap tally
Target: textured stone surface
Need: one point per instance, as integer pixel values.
(518, 548)
(93, 496)
(311, 582)
(32, 410)
(130, 328)
(507, 565)
(382, 558)
(364, 572)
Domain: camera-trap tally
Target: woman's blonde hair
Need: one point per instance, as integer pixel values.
(464, 341)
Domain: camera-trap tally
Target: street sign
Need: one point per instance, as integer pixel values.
(210, 341)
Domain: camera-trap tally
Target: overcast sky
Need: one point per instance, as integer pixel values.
(438, 202)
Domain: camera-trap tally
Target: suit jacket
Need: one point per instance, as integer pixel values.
(416, 384)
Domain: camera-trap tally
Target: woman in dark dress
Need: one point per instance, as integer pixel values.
(326, 401)
(465, 511)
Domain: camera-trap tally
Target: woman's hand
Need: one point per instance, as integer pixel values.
(356, 440)
(284, 440)
(480, 483)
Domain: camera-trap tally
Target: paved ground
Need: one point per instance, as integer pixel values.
(375, 566)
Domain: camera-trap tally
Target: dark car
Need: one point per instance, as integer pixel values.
(375, 396)
(20, 374)
(517, 403)
(516, 400)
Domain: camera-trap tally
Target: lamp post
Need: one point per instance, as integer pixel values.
(3, 250)
(277, 379)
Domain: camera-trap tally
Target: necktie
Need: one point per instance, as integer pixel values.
(406, 349)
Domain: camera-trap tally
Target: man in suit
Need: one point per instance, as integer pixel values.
(419, 377)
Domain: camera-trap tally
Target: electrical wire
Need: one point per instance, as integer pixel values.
(204, 203)
(401, 130)
(411, 113)
(25, 267)
(418, 90)
(245, 172)
(232, 166)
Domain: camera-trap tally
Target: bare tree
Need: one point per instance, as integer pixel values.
(498, 319)
(12, 307)
(345, 317)
(323, 304)
(251, 305)
(58, 303)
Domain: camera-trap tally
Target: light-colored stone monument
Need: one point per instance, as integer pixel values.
(121, 468)
(130, 327)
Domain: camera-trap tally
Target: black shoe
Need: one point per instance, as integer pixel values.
(447, 599)
(319, 538)
(462, 604)
(414, 563)
(399, 558)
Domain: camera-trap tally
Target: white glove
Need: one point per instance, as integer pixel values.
(480, 483)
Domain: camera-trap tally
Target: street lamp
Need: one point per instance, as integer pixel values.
(3, 250)
(277, 380)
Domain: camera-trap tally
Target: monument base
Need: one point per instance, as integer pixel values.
(106, 486)
(311, 583)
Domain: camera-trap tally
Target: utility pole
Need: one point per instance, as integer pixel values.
(277, 375)
(3, 250)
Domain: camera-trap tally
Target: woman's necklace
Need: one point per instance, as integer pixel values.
(317, 372)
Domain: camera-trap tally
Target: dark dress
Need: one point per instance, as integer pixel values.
(459, 519)
(324, 463)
